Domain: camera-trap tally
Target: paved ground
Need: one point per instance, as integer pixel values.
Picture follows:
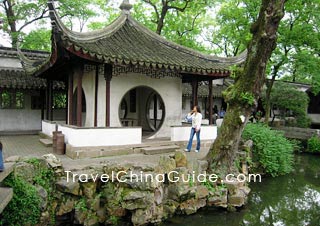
(24, 145)
(29, 145)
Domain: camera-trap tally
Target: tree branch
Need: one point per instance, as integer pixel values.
(181, 9)
(154, 7)
(192, 26)
(42, 16)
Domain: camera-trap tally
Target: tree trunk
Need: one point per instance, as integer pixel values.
(8, 6)
(243, 95)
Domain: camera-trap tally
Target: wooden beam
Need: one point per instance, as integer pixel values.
(79, 73)
(96, 97)
(108, 77)
(70, 98)
(210, 102)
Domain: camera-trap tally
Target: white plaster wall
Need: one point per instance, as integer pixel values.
(101, 115)
(88, 86)
(315, 118)
(182, 133)
(170, 90)
(48, 127)
(93, 137)
(20, 119)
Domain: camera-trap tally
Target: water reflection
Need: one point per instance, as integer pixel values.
(293, 199)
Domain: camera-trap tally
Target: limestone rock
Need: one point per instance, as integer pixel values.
(180, 158)
(238, 199)
(25, 171)
(14, 158)
(219, 198)
(147, 181)
(170, 207)
(52, 160)
(233, 186)
(43, 194)
(66, 206)
(89, 189)
(181, 192)
(203, 165)
(94, 204)
(91, 220)
(102, 215)
(151, 215)
(167, 164)
(70, 186)
(192, 205)
(158, 195)
(137, 200)
(202, 192)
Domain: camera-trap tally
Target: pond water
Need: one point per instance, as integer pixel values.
(292, 200)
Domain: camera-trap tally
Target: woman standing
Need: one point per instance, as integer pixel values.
(1, 159)
(196, 118)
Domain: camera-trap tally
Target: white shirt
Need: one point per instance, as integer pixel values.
(196, 120)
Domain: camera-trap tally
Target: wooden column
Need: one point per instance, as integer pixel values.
(70, 98)
(108, 77)
(210, 102)
(155, 110)
(79, 72)
(96, 97)
(51, 99)
(47, 100)
(43, 102)
(194, 85)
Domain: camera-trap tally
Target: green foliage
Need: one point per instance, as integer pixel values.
(210, 186)
(291, 102)
(247, 98)
(37, 40)
(271, 149)
(24, 208)
(314, 144)
(45, 178)
(59, 100)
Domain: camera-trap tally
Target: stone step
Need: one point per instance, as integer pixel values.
(159, 149)
(6, 195)
(8, 168)
(46, 142)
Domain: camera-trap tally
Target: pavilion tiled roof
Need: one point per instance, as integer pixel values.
(203, 90)
(13, 75)
(126, 42)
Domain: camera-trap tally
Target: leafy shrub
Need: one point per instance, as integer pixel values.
(271, 149)
(24, 208)
(291, 102)
(314, 144)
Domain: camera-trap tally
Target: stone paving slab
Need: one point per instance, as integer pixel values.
(29, 145)
(23, 145)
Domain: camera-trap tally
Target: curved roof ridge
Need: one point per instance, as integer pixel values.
(237, 59)
(30, 65)
(108, 30)
(85, 36)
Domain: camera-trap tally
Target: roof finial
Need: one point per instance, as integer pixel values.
(125, 6)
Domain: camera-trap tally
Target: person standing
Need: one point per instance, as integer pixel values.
(1, 159)
(196, 117)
